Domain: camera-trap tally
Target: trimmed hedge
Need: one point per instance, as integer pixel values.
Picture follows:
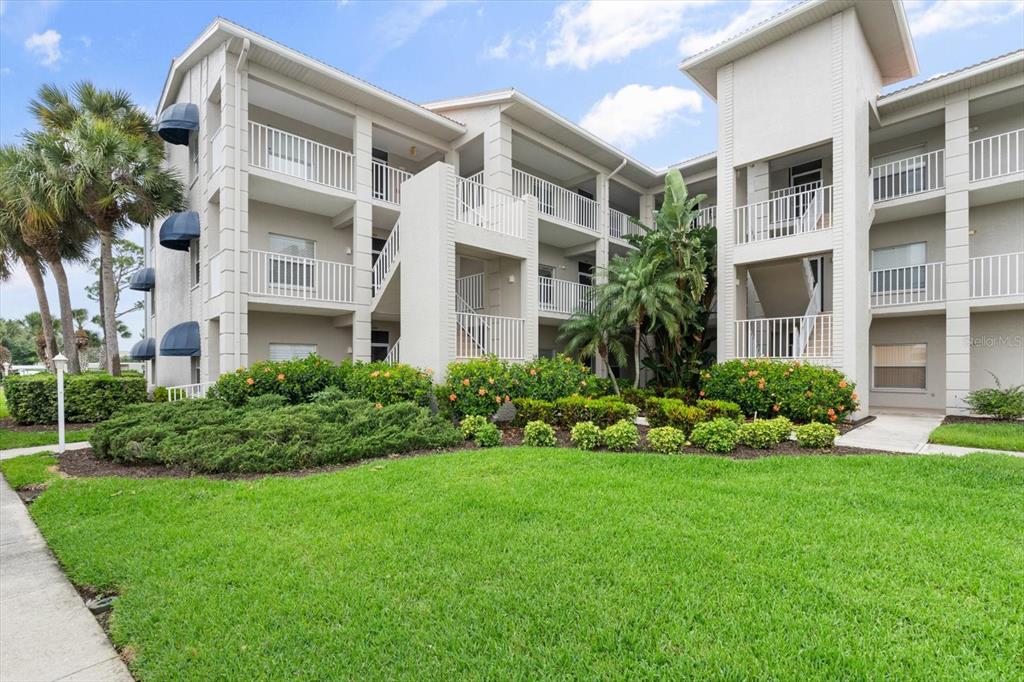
(566, 412)
(88, 397)
(210, 436)
(675, 413)
(801, 392)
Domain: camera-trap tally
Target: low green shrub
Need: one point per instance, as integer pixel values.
(998, 402)
(528, 410)
(717, 435)
(760, 434)
(487, 436)
(539, 435)
(586, 436)
(720, 408)
(329, 395)
(674, 412)
(816, 435)
(565, 412)
(783, 428)
(159, 394)
(267, 401)
(88, 397)
(666, 439)
(621, 436)
(380, 382)
(471, 424)
(638, 396)
(209, 435)
(796, 390)
(296, 380)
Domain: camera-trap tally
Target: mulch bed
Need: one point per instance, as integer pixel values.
(957, 419)
(9, 425)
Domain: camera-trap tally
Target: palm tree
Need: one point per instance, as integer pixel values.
(644, 293)
(113, 161)
(56, 233)
(595, 334)
(13, 248)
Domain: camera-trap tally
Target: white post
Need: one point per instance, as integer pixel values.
(60, 363)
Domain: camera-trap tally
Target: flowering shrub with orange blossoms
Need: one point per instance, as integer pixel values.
(797, 390)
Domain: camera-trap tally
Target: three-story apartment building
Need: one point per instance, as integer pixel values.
(880, 234)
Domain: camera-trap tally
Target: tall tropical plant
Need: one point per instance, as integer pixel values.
(115, 174)
(596, 333)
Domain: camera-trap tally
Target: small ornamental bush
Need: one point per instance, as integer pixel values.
(666, 439)
(674, 412)
(528, 410)
(487, 436)
(796, 390)
(296, 380)
(783, 428)
(159, 394)
(380, 382)
(720, 408)
(539, 435)
(621, 436)
(760, 434)
(267, 401)
(998, 402)
(586, 436)
(329, 395)
(717, 435)
(88, 397)
(638, 396)
(816, 435)
(471, 424)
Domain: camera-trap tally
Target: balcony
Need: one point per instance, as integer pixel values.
(997, 276)
(996, 156)
(387, 182)
(298, 279)
(478, 335)
(300, 158)
(620, 224)
(908, 285)
(488, 208)
(706, 217)
(563, 297)
(906, 177)
(786, 214)
(806, 337)
(557, 202)
(188, 391)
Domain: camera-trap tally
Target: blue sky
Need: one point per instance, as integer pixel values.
(609, 66)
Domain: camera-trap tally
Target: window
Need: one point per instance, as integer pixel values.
(292, 265)
(806, 174)
(193, 254)
(586, 275)
(195, 371)
(380, 340)
(899, 366)
(899, 268)
(291, 351)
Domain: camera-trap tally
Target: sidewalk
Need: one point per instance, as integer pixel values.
(18, 452)
(905, 433)
(46, 632)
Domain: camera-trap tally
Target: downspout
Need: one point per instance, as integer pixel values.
(618, 168)
(243, 58)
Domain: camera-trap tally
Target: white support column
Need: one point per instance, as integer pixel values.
(530, 287)
(758, 182)
(958, 293)
(362, 232)
(498, 154)
(727, 277)
(647, 209)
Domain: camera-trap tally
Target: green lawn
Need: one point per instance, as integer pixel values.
(4, 412)
(25, 439)
(28, 469)
(528, 564)
(996, 436)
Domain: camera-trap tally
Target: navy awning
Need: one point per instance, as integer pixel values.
(179, 229)
(143, 280)
(181, 341)
(177, 121)
(144, 349)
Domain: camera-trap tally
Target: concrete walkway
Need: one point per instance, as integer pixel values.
(46, 632)
(18, 452)
(905, 433)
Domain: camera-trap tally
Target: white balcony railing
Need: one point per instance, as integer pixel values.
(188, 391)
(913, 175)
(785, 338)
(386, 260)
(785, 216)
(1001, 275)
(620, 224)
(924, 283)
(488, 208)
(281, 152)
(470, 289)
(477, 335)
(394, 353)
(563, 296)
(706, 216)
(997, 155)
(309, 279)
(557, 202)
(387, 182)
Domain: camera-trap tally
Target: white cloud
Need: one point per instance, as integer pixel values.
(637, 113)
(45, 46)
(86, 40)
(501, 50)
(594, 32)
(401, 23)
(755, 12)
(927, 18)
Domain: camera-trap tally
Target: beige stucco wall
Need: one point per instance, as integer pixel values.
(998, 121)
(265, 328)
(927, 329)
(929, 229)
(266, 219)
(997, 346)
(997, 228)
